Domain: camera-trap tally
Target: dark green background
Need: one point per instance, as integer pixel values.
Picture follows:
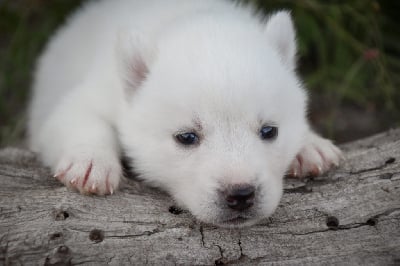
(349, 57)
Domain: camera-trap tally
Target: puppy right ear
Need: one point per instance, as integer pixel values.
(281, 34)
(134, 55)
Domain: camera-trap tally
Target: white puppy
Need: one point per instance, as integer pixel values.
(201, 95)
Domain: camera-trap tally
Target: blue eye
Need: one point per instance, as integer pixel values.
(187, 139)
(268, 132)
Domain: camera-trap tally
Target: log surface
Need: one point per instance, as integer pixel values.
(351, 216)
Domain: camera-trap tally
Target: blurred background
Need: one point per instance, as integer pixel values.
(349, 58)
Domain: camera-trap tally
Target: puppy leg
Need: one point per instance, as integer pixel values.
(316, 157)
(81, 148)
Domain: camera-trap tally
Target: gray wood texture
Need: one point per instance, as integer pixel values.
(351, 216)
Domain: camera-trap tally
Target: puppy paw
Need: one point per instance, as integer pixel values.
(90, 174)
(315, 158)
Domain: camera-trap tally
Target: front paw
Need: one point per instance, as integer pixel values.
(90, 174)
(315, 158)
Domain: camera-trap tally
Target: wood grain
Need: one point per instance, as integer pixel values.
(349, 217)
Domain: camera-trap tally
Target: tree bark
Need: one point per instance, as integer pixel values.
(349, 216)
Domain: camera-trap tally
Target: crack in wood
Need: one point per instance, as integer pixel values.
(145, 233)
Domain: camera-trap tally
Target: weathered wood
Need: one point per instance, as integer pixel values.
(351, 216)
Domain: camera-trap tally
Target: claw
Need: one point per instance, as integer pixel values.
(73, 182)
(338, 153)
(319, 169)
(294, 173)
(60, 175)
(108, 187)
(93, 188)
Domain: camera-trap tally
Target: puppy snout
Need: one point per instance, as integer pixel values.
(240, 197)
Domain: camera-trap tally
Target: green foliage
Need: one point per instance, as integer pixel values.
(25, 26)
(348, 50)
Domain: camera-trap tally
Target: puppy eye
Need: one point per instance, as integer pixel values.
(188, 138)
(268, 132)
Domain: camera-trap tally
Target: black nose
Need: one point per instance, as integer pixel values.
(240, 197)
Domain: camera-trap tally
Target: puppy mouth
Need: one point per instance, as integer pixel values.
(238, 221)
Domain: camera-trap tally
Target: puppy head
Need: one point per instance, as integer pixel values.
(215, 116)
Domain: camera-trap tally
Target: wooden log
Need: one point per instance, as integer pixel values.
(349, 216)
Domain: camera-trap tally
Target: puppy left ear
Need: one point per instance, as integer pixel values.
(134, 55)
(281, 34)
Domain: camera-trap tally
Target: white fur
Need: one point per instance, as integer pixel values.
(128, 75)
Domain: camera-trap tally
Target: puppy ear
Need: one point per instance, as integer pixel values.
(281, 34)
(134, 56)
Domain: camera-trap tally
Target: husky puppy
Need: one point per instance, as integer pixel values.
(202, 95)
